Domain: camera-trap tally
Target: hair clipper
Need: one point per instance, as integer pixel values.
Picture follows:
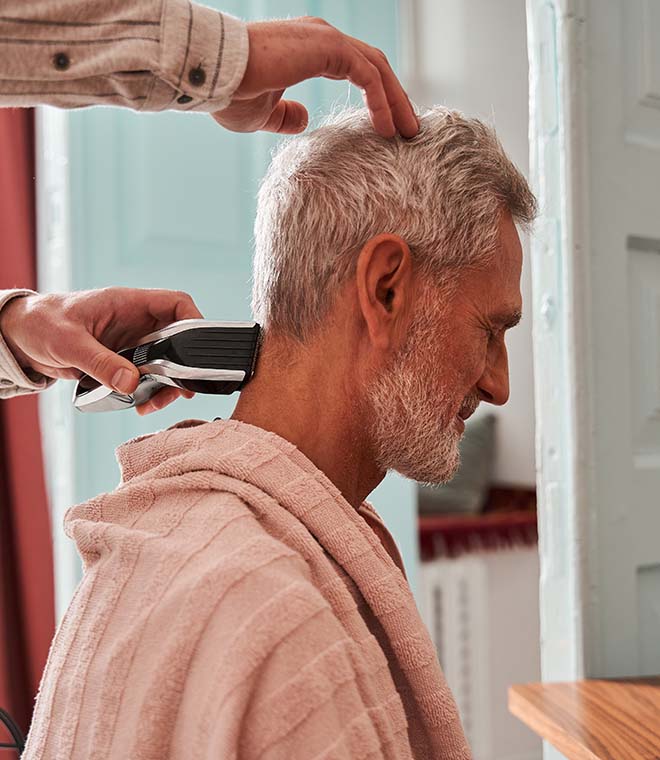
(196, 354)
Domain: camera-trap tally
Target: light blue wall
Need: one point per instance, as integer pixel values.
(168, 201)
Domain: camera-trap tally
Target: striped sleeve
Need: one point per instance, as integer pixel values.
(148, 55)
(13, 380)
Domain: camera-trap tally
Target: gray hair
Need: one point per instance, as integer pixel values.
(328, 192)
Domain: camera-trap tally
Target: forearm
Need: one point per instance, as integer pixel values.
(148, 55)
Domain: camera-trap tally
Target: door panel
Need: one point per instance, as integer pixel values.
(624, 133)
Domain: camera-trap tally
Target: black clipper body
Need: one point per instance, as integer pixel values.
(196, 354)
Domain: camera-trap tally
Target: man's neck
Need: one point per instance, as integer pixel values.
(304, 396)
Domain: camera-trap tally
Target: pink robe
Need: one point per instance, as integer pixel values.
(235, 605)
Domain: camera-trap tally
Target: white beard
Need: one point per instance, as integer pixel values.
(414, 430)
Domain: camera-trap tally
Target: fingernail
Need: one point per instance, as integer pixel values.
(123, 381)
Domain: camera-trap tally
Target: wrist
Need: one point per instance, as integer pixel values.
(11, 316)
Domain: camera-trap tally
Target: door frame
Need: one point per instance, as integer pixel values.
(55, 275)
(561, 298)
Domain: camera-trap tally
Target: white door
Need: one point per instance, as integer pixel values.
(595, 107)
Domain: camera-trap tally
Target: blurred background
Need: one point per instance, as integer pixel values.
(168, 201)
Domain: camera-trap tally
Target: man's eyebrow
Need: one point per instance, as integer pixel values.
(508, 319)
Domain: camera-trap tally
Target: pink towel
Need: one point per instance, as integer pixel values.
(234, 605)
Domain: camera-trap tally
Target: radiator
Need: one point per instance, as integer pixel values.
(455, 610)
(481, 610)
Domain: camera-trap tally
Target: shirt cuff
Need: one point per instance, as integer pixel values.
(13, 380)
(203, 57)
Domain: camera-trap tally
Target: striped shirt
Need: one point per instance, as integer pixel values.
(148, 55)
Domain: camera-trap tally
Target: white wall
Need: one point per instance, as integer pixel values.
(472, 55)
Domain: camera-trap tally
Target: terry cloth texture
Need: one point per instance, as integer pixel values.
(235, 605)
(148, 55)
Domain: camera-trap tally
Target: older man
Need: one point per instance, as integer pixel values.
(241, 599)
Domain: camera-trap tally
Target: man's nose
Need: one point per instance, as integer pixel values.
(493, 386)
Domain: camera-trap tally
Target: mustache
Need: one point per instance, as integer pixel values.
(469, 406)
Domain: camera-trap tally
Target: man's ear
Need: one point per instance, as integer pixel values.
(384, 287)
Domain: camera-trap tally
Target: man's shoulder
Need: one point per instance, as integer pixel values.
(182, 543)
(222, 528)
(241, 545)
(237, 575)
(223, 538)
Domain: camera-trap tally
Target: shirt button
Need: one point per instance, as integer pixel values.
(183, 99)
(61, 61)
(197, 76)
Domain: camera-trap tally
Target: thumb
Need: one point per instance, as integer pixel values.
(288, 117)
(105, 365)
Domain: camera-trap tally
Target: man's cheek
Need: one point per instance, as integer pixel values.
(472, 365)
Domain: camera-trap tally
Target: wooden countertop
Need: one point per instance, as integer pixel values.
(609, 719)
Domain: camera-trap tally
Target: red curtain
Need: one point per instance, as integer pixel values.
(27, 617)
